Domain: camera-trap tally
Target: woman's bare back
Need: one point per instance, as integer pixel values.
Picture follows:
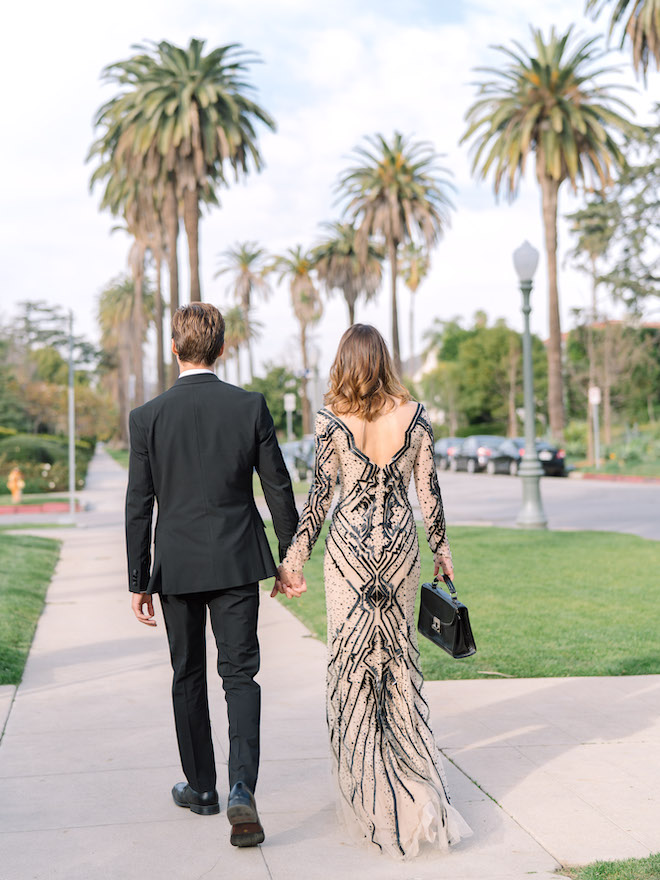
(381, 439)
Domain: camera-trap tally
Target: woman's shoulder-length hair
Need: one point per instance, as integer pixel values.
(363, 381)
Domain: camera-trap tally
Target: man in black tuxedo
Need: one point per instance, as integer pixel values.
(193, 450)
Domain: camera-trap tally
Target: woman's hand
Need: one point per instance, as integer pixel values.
(289, 583)
(445, 563)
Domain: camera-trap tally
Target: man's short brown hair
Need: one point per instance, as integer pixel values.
(198, 331)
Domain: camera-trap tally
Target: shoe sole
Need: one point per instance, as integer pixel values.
(242, 814)
(201, 810)
(253, 839)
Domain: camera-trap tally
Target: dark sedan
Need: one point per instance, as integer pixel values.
(507, 458)
(475, 452)
(444, 450)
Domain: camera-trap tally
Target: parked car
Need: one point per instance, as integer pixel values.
(299, 457)
(507, 458)
(444, 450)
(475, 452)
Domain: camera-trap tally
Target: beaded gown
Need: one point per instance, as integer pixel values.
(391, 780)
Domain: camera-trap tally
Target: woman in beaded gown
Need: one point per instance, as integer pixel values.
(391, 780)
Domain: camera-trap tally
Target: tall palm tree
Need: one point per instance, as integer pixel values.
(296, 266)
(116, 317)
(594, 226)
(415, 265)
(182, 117)
(641, 27)
(339, 266)
(396, 194)
(550, 103)
(246, 262)
(237, 334)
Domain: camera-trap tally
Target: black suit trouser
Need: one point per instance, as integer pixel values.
(233, 614)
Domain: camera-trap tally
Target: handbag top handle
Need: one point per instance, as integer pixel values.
(449, 584)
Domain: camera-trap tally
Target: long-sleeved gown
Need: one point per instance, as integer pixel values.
(390, 775)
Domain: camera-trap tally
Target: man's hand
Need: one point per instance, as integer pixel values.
(447, 567)
(289, 583)
(138, 602)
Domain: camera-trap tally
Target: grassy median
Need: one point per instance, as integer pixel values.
(26, 568)
(541, 603)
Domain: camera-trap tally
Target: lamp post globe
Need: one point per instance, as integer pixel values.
(532, 515)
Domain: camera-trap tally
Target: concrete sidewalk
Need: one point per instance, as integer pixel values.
(565, 769)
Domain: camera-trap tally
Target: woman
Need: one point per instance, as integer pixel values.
(375, 436)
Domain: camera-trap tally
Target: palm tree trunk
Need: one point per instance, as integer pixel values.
(304, 400)
(396, 352)
(351, 312)
(171, 220)
(160, 354)
(238, 366)
(591, 357)
(248, 335)
(549, 195)
(607, 383)
(137, 322)
(411, 331)
(191, 223)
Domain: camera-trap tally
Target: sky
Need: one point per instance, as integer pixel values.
(330, 75)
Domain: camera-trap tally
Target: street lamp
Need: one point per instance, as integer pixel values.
(531, 516)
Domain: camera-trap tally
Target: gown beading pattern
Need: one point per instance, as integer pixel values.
(390, 775)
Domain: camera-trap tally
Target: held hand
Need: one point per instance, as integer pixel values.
(294, 584)
(138, 601)
(447, 567)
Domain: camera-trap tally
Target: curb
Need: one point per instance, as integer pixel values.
(614, 478)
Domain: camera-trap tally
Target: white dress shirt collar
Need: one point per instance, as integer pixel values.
(195, 372)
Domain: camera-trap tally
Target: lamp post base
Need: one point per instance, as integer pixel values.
(532, 515)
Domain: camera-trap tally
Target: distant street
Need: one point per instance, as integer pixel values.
(568, 504)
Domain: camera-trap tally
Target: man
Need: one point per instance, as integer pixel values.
(193, 450)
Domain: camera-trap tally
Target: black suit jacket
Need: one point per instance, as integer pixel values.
(193, 450)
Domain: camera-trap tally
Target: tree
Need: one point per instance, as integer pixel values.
(396, 194)
(237, 334)
(246, 262)
(339, 266)
(116, 310)
(415, 265)
(550, 103)
(594, 226)
(296, 266)
(180, 118)
(642, 28)
(274, 385)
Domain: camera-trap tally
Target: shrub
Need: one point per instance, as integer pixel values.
(43, 460)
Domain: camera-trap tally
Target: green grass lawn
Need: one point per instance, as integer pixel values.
(26, 567)
(36, 498)
(643, 469)
(119, 455)
(541, 603)
(630, 869)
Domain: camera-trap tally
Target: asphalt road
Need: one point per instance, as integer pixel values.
(568, 503)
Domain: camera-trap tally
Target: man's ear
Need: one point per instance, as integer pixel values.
(220, 353)
(174, 351)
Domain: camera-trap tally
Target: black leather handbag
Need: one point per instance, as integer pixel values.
(445, 621)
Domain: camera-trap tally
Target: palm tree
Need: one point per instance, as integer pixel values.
(549, 103)
(296, 266)
(396, 195)
(339, 267)
(247, 263)
(595, 226)
(181, 117)
(642, 27)
(237, 334)
(116, 317)
(415, 265)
